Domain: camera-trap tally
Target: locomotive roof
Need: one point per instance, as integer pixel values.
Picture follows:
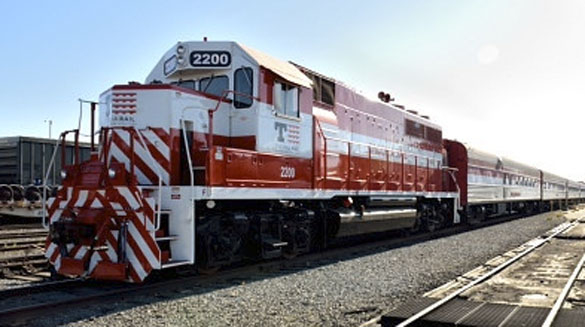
(490, 160)
(282, 68)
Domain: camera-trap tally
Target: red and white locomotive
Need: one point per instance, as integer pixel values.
(226, 153)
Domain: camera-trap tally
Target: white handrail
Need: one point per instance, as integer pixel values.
(45, 224)
(191, 176)
(188, 153)
(158, 172)
(377, 147)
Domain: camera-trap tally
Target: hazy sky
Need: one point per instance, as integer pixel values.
(506, 76)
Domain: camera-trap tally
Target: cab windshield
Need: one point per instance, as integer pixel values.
(214, 85)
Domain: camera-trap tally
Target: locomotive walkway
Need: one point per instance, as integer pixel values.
(540, 283)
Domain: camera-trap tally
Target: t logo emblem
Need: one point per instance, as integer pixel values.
(281, 128)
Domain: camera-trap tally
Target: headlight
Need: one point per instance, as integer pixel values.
(111, 173)
(63, 174)
(180, 49)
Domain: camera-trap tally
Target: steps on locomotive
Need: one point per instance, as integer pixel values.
(172, 236)
(167, 238)
(164, 238)
(172, 264)
(272, 248)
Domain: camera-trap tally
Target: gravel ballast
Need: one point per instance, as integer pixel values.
(345, 293)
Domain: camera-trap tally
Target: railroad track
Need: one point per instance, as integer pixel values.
(80, 293)
(21, 249)
(454, 298)
(12, 234)
(25, 226)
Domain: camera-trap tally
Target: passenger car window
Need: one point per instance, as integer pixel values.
(214, 85)
(243, 83)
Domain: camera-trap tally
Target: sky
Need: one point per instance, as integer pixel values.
(505, 76)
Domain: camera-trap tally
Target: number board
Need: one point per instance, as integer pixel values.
(210, 59)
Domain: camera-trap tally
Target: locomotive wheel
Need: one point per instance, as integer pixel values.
(433, 224)
(416, 228)
(430, 219)
(289, 255)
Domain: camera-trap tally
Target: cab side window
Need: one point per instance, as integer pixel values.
(243, 85)
(286, 99)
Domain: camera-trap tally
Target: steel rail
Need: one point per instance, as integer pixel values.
(550, 318)
(22, 238)
(21, 314)
(558, 230)
(15, 236)
(33, 311)
(8, 244)
(36, 288)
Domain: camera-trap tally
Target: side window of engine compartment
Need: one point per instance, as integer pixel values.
(243, 84)
(286, 99)
(323, 89)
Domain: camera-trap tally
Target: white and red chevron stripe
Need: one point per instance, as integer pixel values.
(156, 145)
(142, 252)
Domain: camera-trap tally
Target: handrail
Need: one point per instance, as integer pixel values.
(374, 146)
(210, 113)
(188, 153)
(451, 171)
(60, 139)
(386, 150)
(191, 176)
(324, 154)
(51, 162)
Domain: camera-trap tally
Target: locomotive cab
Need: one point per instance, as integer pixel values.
(223, 94)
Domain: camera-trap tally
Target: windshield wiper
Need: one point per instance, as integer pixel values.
(208, 83)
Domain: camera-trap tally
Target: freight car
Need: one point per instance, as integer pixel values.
(23, 165)
(226, 153)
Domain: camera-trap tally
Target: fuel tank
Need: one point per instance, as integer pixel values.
(376, 215)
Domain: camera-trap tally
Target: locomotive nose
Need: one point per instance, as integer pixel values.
(69, 231)
(76, 234)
